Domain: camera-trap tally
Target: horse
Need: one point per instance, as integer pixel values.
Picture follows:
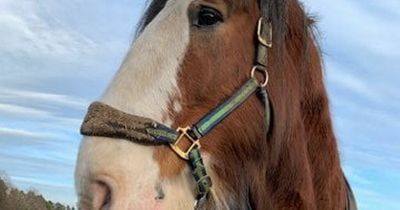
(187, 58)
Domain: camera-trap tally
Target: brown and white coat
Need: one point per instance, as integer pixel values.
(175, 72)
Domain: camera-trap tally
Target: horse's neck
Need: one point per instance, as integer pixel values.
(303, 167)
(328, 180)
(323, 155)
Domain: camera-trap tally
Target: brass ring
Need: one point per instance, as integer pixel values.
(262, 70)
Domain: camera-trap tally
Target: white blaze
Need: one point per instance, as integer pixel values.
(143, 86)
(148, 77)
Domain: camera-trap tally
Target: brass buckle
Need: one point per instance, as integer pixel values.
(261, 39)
(183, 132)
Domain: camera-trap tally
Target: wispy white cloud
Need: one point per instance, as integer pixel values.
(30, 114)
(356, 176)
(351, 23)
(43, 98)
(25, 31)
(21, 111)
(41, 182)
(37, 123)
(341, 76)
(360, 41)
(6, 132)
(42, 108)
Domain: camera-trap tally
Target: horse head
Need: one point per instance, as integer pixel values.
(187, 58)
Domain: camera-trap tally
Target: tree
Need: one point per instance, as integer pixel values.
(14, 199)
(3, 195)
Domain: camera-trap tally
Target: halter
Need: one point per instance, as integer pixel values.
(106, 121)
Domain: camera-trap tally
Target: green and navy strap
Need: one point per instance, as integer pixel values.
(165, 134)
(217, 115)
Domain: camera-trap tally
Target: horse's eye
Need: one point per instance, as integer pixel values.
(208, 17)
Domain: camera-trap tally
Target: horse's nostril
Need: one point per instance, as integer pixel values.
(160, 192)
(101, 196)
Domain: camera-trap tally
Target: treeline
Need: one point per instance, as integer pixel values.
(14, 199)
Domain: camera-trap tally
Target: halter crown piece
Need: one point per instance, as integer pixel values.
(106, 121)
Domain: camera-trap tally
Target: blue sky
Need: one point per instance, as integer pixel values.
(57, 56)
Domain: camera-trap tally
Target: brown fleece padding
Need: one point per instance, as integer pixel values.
(106, 121)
